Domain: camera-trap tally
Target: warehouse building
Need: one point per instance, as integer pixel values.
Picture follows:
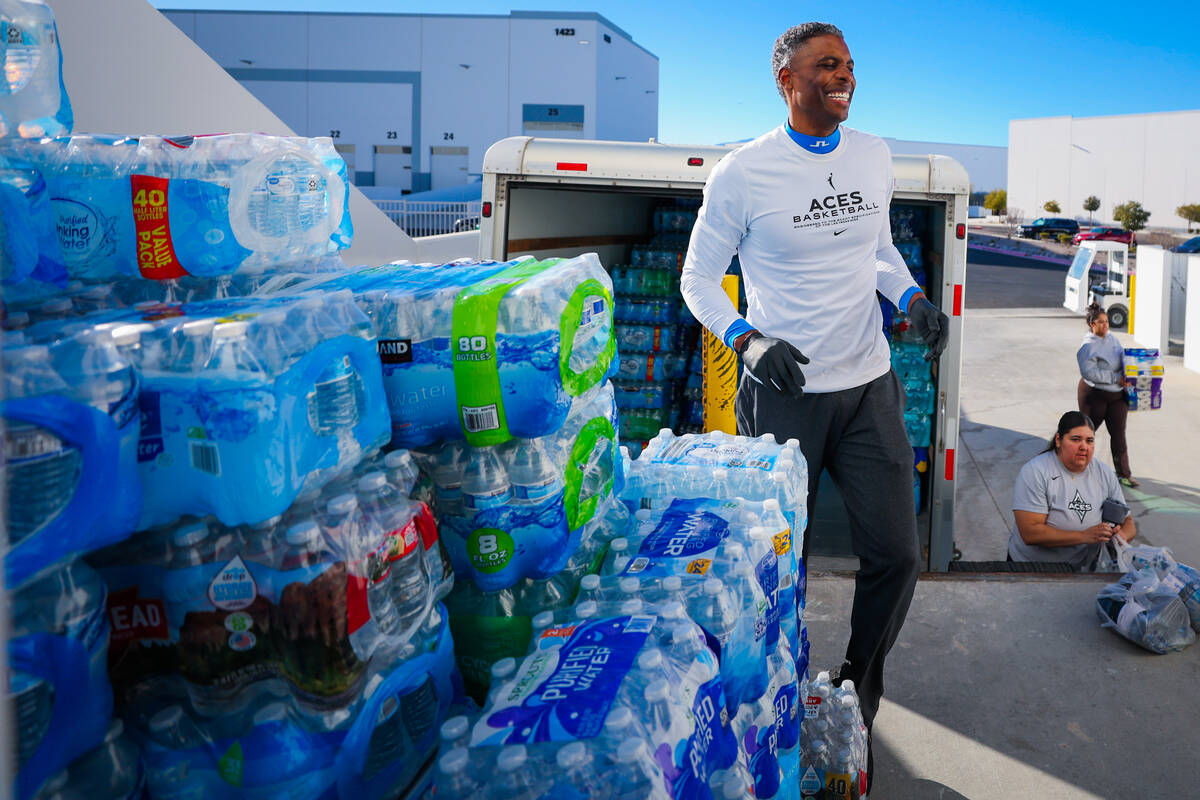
(1150, 158)
(413, 101)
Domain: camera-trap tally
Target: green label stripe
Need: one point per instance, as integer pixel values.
(580, 509)
(473, 347)
(576, 383)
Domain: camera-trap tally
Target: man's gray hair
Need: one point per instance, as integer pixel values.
(791, 40)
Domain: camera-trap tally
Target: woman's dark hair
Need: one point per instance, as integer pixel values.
(1093, 313)
(1067, 422)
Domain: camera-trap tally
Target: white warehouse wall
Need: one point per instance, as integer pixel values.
(443, 86)
(1150, 158)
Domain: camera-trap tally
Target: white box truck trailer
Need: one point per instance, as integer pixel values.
(550, 197)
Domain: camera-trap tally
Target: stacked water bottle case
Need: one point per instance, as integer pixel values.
(198, 515)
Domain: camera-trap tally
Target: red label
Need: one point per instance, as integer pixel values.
(949, 463)
(657, 338)
(155, 252)
(134, 619)
(427, 526)
(958, 291)
(357, 610)
(649, 368)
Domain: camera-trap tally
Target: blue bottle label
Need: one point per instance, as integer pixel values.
(683, 542)
(565, 688)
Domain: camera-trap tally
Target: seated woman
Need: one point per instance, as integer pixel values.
(1057, 500)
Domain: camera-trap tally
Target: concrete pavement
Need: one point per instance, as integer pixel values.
(1007, 686)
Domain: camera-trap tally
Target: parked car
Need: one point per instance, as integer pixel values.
(1051, 225)
(1106, 235)
(1192, 245)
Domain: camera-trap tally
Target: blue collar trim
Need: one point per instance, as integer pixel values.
(815, 144)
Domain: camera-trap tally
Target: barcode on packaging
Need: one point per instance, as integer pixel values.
(205, 458)
(480, 418)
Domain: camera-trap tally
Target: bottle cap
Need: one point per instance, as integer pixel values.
(768, 437)
(590, 583)
(190, 534)
(454, 728)
(631, 751)
(657, 691)
(793, 443)
(618, 720)
(454, 761)
(649, 659)
(511, 758)
(303, 533)
(720, 474)
(128, 335)
(847, 685)
(672, 609)
(372, 482)
(543, 620)
(166, 719)
(503, 668)
(396, 458)
(672, 584)
(779, 477)
(571, 755)
(734, 786)
(759, 532)
(771, 504)
(229, 330)
(341, 505)
(197, 327)
(713, 586)
(630, 585)
(631, 607)
(642, 514)
(823, 676)
(587, 609)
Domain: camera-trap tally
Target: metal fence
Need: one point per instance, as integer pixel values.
(431, 217)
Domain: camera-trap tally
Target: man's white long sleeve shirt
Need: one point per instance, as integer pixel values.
(815, 243)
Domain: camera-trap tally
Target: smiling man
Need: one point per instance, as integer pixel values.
(805, 207)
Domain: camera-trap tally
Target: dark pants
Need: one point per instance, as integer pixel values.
(1111, 409)
(858, 435)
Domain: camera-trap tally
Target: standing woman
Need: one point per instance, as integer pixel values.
(1102, 387)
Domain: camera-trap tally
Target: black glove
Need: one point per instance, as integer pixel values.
(774, 362)
(932, 325)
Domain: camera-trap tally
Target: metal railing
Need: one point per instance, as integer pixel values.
(432, 217)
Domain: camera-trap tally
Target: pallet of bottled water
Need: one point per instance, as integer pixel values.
(58, 679)
(723, 466)
(304, 653)
(517, 510)
(246, 402)
(604, 705)
(487, 351)
(165, 208)
(489, 626)
(70, 448)
(33, 99)
(833, 742)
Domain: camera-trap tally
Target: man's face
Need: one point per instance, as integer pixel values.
(819, 83)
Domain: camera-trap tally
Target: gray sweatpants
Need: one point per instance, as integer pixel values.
(858, 435)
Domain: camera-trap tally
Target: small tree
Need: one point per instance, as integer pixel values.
(1131, 215)
(1052, 207)
(1191, 213)
(1091, 204)
(1012, 218)
(996, 201)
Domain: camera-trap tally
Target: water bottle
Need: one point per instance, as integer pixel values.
(514, 779)
(305, 547)
(485, 481)
(535, 478)
(232, 354)
(630, 779)
(618, 555)
(715, 613)
(402, 470)
(260, 541)
(456, 779)
(175, 730)
(404, 554)
(347, 522)
(43, 470)
(455, 732)
(589, 586)
(587, 609)
(195, 346)
(33, 100)
(449, 465)
(577, 768)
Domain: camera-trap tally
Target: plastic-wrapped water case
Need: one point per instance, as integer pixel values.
(754, 468)
(33, 99)
(70, 448)
(516, 511)
(165, 208)
(1144, 374)
(28, 242)
(371, 748)
(248, 402)
(630, 703)
(58, 680)
(487, 351)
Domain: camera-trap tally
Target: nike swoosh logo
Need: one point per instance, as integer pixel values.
(839, 233)
(1056, 477)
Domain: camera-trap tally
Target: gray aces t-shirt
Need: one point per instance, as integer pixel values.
(1071, 502)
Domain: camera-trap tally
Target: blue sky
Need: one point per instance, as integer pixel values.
(931, 71)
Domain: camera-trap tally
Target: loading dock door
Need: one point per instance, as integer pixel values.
(346, 151)
(447, 167)
(393, 166)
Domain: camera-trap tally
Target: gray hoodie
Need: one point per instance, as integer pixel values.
(1102, 362)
